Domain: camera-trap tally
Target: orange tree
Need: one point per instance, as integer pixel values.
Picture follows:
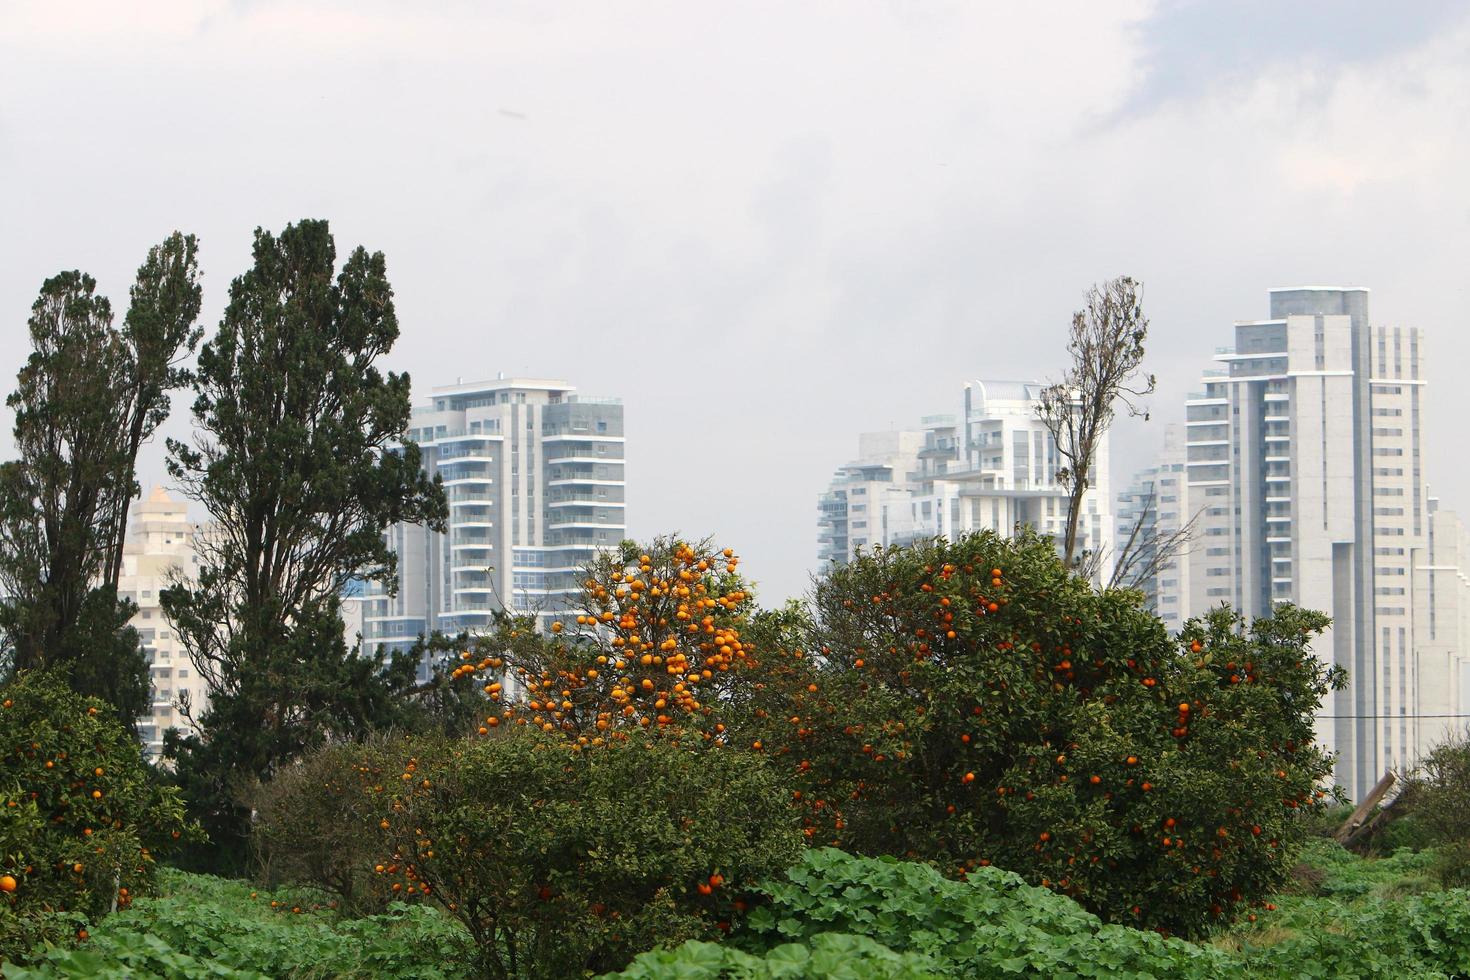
(561, 860)
(658, 645)
(972, 703)
(82, 821)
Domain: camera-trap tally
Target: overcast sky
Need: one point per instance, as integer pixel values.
(766, 226)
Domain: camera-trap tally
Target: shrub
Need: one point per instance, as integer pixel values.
(82, 821)
(556, 859)
(315, 826)
(1436, 795)
(971, 703)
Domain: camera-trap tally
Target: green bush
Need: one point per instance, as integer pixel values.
(556, 859)
(972, 703)
(1432, 810)
(315, 825)
(82, 821)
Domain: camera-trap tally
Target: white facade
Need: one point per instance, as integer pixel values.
(160, 541)
(535, 482)
(851, 513)
(993, 467)
(1442, 629)
(1303, 462)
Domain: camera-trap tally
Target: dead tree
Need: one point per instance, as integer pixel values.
(1106, 348)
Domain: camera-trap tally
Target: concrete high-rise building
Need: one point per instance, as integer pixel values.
(1442, 628)
(160, 544)
(850, 515)
(993, 466)
(1304, 466)
(534, 477)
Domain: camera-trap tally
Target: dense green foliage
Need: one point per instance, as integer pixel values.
(81, 819)
(211, 927)
(833, 915)
(1366, 921)
(991, 924)
(971, 703)
(824, 956)
(301, 462)
(556, 860)
(86, 400)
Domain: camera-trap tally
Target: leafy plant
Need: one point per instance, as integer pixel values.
(211, 927)
(990, 925)
(994, 925)
(826, 956)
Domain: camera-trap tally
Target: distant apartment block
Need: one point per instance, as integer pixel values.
(1303, 463)
(991, 466)
(1153, 513)
(1442, 628)
(160, 542)
(534, 477)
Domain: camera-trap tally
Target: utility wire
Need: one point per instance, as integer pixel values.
(1383, 717)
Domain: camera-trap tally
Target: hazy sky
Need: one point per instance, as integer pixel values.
(766, 226)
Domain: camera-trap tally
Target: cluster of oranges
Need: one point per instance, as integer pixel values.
(655, 633)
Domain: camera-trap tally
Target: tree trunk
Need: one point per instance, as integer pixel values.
(1361, 813)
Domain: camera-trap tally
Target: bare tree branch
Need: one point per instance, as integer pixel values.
(1106, 345)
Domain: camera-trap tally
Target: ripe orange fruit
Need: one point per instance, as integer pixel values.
(7, 883)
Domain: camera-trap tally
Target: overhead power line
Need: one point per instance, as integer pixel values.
(1385, 717)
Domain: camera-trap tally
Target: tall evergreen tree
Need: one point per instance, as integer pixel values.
(86, 400)
(301, 464)
(159, 331)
